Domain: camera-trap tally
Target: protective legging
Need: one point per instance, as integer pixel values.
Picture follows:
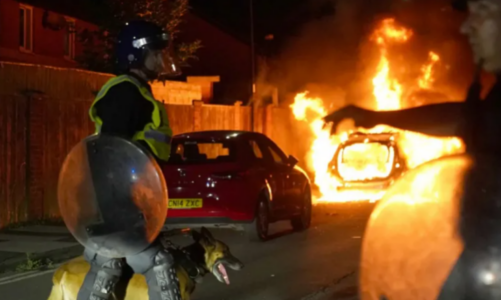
(155, 263)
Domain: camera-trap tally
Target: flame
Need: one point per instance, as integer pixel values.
(426, 79)
(387, 90)
(368, 160)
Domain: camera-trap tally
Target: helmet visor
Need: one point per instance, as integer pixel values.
(159, 56)
(170, 64)
(154, 42)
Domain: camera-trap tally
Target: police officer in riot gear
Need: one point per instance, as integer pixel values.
(125, 107)
(441, 238)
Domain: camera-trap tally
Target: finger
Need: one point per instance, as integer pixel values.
(333, 129)
(330, 117)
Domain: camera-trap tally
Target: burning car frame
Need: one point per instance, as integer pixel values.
(367, 163)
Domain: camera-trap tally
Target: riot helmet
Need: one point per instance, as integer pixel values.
(146, 47)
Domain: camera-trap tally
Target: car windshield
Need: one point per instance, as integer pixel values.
(190, 151)
(364, 161)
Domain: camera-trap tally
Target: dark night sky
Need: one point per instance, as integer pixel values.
(325, 42)
(281, 18)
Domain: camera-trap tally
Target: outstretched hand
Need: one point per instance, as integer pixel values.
(361, 117)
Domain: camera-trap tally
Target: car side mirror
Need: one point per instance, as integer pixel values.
(292, 161)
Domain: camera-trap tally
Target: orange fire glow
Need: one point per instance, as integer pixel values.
(363, 163)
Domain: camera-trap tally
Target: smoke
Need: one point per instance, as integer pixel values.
(334, 58)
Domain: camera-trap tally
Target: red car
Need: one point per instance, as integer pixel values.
(235, 179)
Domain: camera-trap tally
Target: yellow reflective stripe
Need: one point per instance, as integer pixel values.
(157, 133)
(158, 136)
(119, 79)
(114, 81)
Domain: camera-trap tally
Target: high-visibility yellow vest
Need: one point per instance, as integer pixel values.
(157, 133)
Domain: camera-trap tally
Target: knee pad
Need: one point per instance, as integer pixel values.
(100, 281)
(157, 265)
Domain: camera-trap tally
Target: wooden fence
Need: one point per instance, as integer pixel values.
(37, 132)
(65, 84)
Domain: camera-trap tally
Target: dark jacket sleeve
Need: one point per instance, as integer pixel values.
(124, 111)
(441, 120)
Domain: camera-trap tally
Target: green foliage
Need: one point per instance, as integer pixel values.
(34, 264)
(110, 15)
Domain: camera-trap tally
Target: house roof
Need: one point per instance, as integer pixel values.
(84, 10)
(77, 9)
(226, 29)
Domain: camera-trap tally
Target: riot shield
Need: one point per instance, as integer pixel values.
(112, 196)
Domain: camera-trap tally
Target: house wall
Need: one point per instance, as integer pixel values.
(48, 45)
(221, 55)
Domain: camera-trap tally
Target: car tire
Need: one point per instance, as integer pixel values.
(303, 220)
(257, 231)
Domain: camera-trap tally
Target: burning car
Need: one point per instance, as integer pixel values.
(366, 164)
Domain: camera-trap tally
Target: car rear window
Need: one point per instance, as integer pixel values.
(365, 161)
(202, 152)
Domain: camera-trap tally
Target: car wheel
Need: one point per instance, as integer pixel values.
(303, 220)
(257, 231)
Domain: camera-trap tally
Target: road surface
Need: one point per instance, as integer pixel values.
(291, 266)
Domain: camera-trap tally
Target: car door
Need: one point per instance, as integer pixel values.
(291, 181)
(257, 159)
(276, 163)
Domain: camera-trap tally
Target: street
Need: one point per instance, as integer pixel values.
(290, 266)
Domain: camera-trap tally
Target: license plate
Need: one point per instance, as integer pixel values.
(185, 203)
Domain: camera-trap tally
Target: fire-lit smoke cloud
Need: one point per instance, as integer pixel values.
(334, 57)
(364, 160)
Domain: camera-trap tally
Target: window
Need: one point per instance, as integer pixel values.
(256, 150)
(364, 161)
(277, 158)
(69, 39)
(189, 151)
(25, 28)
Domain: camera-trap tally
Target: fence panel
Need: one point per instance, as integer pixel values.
(246, 118)
(218, 117)
(180, 117)
(13, 145)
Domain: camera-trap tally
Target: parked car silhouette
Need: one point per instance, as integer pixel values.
(235, 179)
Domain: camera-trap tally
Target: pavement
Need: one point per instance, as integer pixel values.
(35, 246)
(318, 264)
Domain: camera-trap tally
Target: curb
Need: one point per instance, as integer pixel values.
(336, 289)
(8, 278)
(55, 256)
